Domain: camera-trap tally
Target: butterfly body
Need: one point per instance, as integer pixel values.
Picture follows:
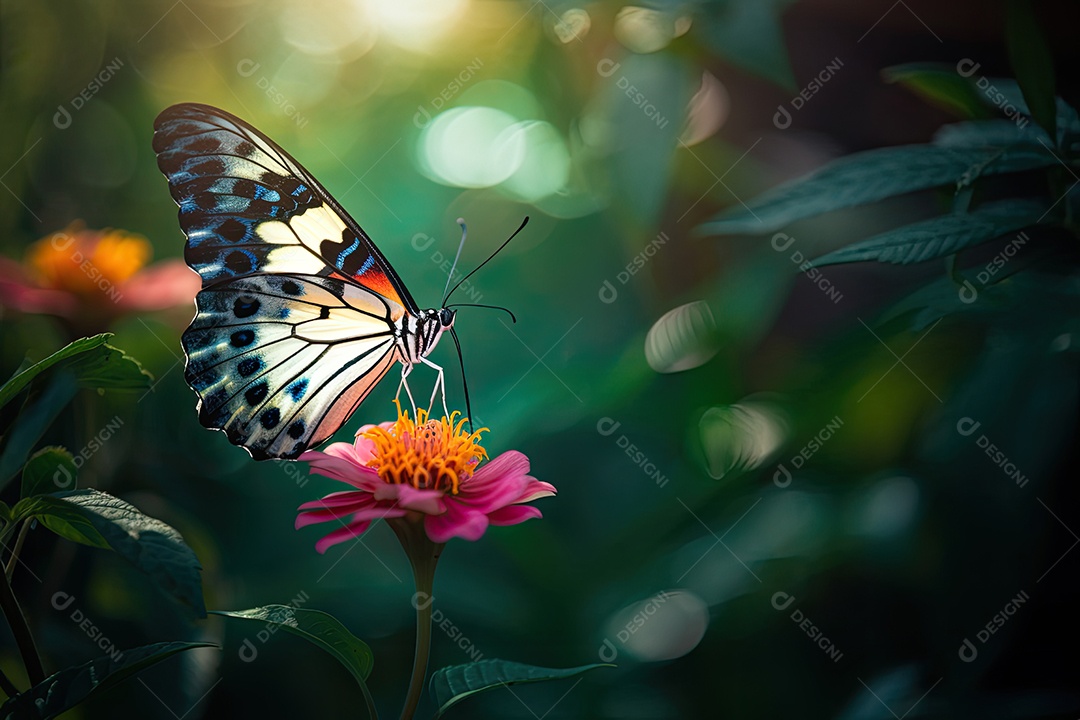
(299, 315)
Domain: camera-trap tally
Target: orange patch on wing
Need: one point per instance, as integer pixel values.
(375, 280)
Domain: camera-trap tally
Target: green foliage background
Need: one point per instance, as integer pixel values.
(899, 538)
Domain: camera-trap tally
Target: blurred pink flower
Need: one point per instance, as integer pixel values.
(91, 277)
(424, 471)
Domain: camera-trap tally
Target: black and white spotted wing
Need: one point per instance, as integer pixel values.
(299, 314)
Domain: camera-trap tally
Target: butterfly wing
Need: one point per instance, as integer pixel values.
(247, 207)
(297, 315)
(281, 362)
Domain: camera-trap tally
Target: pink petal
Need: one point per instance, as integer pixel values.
(162, 285)
(534, 490)
(497, 483)
(350, 531)
(338, 463)
(19, 292)
(340, 499)
(406, 496)
(363, 448)
(514, 514)
(357, 526)
(458, 521)
(333, 506)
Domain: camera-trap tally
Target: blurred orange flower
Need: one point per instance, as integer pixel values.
(91, 277)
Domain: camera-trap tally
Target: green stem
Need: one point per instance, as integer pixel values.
(423, 555)
(7, 686)
(9, 570)
(21, 630)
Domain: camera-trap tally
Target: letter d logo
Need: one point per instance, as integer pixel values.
(782, 477)
(62, 118)
(248, 651)
(606, 426)
(968, 293)
(607, 652)
(966, 426)
(62, 600)
(782, 600)
(421, 118)
(608, 294)
(782, 118)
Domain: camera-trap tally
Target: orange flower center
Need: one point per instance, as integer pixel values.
(427, 454)
(88, 262)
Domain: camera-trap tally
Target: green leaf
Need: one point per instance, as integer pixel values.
(988, 134)
(942, 85)
(95, 518)
(64, 690)
(94, 364)
(1002, 92)
(12, 387)
(1031, 61)
(750, 34)
(868, 177)
(453, 684)
(39, 412)
(49, 470)
(318, 628)
(940, 236)
(63, 518)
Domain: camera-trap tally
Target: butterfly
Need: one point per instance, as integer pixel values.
(299, 315)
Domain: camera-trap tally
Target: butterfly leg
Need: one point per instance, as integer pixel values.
(405, 370)
(440, 384)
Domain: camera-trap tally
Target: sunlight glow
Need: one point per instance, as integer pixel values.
(471, 147)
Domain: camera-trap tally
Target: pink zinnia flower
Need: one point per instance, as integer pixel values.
(88, 278)
(428, 471)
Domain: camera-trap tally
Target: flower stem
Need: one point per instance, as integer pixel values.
(21, 630)
(423, 555)
(10, 569)
(7, 686)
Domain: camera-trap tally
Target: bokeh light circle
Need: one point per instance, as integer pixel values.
(471, 147)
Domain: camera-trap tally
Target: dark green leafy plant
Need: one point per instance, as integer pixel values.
(88, 517)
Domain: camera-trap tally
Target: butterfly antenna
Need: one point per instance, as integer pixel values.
(464, 233)
(490, 307)
(507, 242)
(464, 382)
